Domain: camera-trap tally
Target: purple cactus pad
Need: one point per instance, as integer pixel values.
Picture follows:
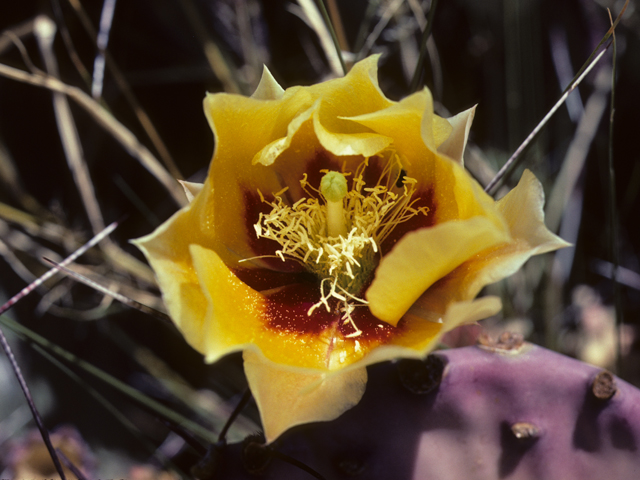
(513, 412)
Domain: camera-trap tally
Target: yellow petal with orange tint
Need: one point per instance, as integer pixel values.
(235, 319)
(167, 250)
(234, 310)
(523, 214)
(418, 336)
(287, 397)
(421, 258)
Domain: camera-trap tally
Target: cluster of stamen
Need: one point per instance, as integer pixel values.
(307, 231)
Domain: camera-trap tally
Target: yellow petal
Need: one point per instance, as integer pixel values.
(421, 258)
(400, 122)
(417, 336)
(234, 310)
(459, 196)
(352, 143)
(466, 312)
(166, 250)
(237, 318)
(357, 93)
(415, 130)
(434, 129)
(454, 315)
(288, 397)
(523, 210)
(269, 153)
(455, 144)
(523, 213)
(242, 126)
(268, 88)
(169, 251)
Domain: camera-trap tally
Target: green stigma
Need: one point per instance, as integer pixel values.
(333, 186)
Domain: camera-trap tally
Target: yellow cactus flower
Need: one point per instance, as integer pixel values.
(336, 229)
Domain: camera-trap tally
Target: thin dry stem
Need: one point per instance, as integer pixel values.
(310, 14)
(29, 288)
(119, 78)
(502, 172)
(106, 291)
(23, 30)
(107, 121)
(574, 161)
(32, 406)
(45, 31)
(336, 19)
(219, 65)
(387, 13)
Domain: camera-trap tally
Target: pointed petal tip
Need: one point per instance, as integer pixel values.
(523, 208)
(454, 146)
(268, 88)
(191, 189)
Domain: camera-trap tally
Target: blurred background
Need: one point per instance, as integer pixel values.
(65, 172)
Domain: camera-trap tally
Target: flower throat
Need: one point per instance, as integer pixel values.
(339, 241)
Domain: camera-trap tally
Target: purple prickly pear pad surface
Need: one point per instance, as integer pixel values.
(526, 413)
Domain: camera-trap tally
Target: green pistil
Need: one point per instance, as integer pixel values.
(333, 187)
